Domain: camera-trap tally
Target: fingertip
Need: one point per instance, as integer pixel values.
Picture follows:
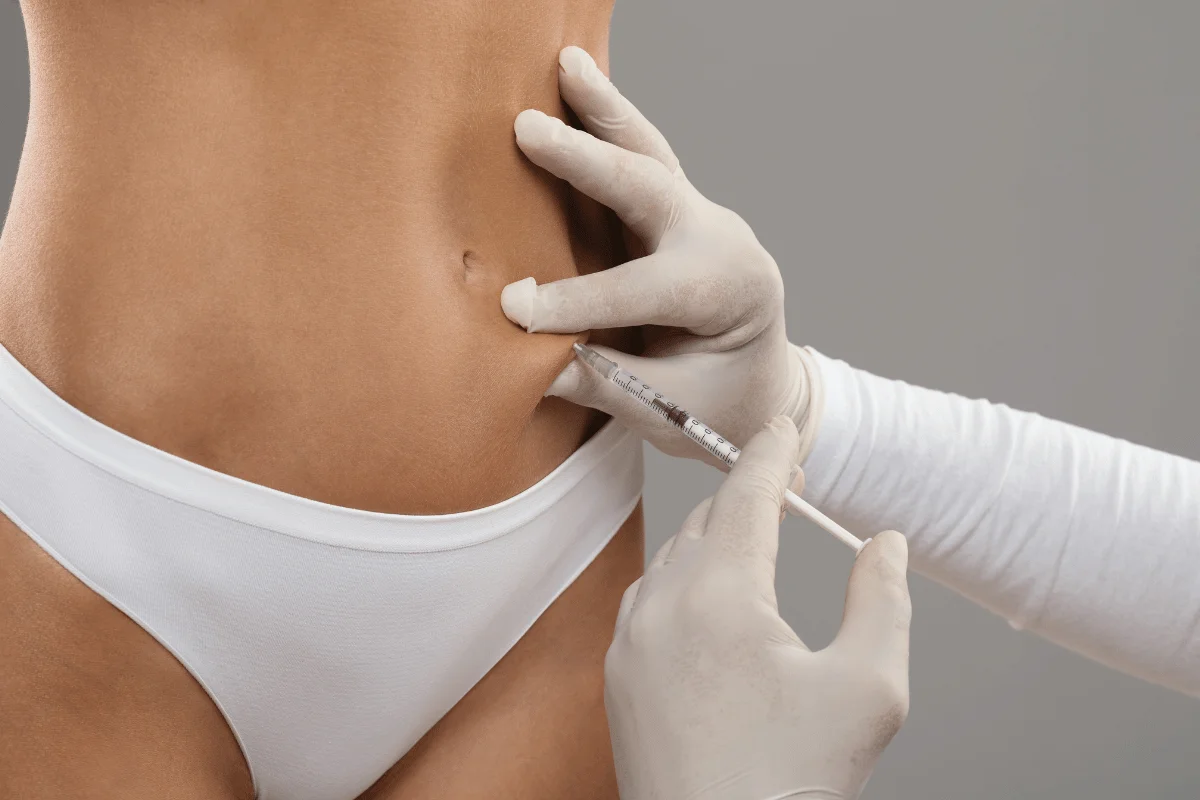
(878, 612)
(517, 301)
(575, 61)
(883, 562)
(782, 430)
(536, 129)
(528, 122)
(797, 485)
(568, 383)
(759, 480)
(892, 547)
(778, 432)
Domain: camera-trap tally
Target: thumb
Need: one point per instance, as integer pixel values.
(875, 625)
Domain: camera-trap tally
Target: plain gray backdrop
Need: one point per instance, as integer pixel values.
(1001, 200)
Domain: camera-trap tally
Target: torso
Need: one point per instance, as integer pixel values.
(271, 240)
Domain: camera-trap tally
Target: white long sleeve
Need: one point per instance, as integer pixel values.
(1090, 541)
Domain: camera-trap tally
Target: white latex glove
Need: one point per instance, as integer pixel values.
(722, 350)
(711, 696)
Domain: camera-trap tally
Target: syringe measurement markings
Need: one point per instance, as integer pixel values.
(671, 412)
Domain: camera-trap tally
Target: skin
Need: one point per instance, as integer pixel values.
(708, 293)
(270, 238)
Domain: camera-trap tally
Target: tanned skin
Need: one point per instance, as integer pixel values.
(269, 236)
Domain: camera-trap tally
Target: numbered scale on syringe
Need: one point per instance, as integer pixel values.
(694, 428)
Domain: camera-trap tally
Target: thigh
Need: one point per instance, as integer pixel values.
(91, 706)
(105, 711)
(534, 728)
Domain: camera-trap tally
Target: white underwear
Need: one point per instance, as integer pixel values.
(331, 638)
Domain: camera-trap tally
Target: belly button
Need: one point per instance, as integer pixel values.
(473, 266)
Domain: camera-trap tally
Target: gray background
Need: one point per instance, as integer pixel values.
(1000, 199)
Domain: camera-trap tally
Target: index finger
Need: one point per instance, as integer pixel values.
(643, 193)
(605, 112)
(743, 523)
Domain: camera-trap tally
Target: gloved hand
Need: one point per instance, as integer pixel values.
(710, 695)
(719, 347)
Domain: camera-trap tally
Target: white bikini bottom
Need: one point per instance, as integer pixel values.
(331, 639)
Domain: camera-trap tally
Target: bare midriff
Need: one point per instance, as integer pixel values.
(270, 238)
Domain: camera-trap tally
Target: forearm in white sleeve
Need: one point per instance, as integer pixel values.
(1090, 541)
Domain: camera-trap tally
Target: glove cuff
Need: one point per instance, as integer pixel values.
(811, 403)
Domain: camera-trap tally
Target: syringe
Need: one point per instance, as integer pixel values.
(703, 435)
